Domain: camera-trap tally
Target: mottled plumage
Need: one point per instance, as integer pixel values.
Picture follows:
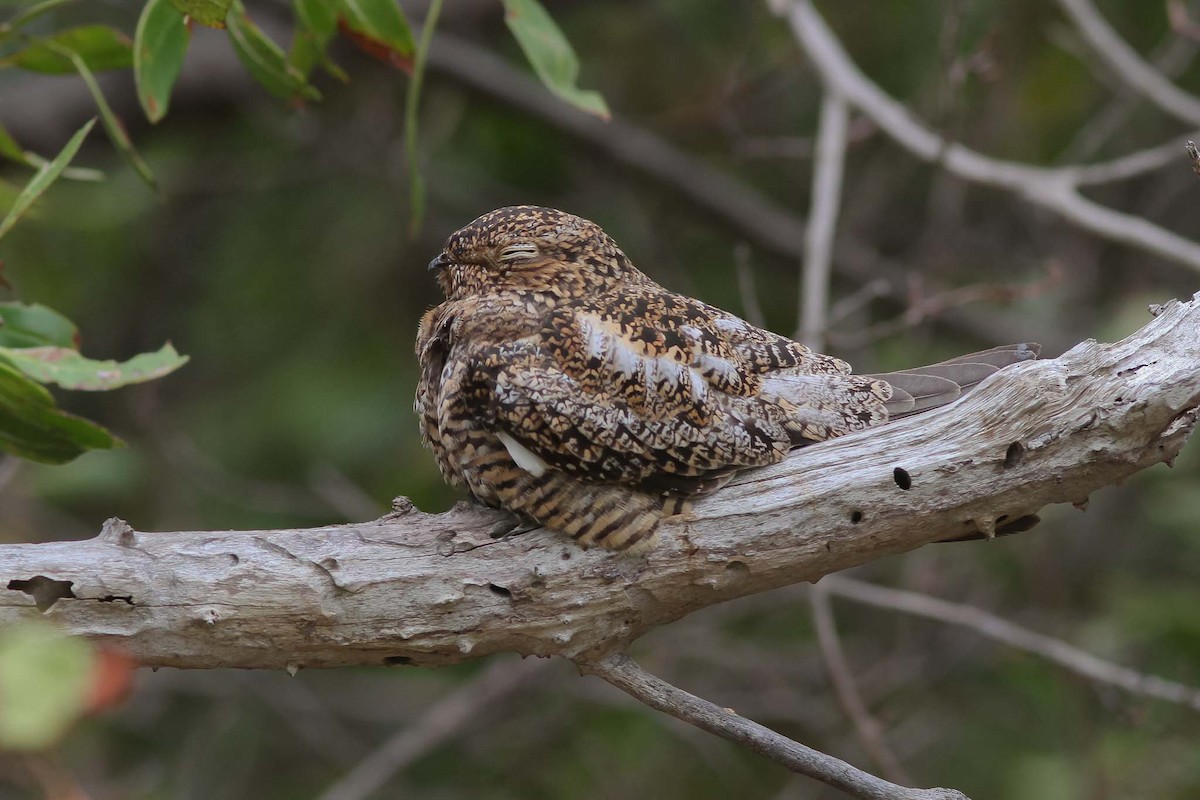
(561, 383)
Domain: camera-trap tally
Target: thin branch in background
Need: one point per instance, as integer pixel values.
(870, 731)
(342, 494)
(852, 303)
(1171, 58)
(1001, 630)
(744, 271)
(1056, 189)
(9, 467)
(448, 716)
(822, 226)
(1130, 166)
(1129, 67)
(923, 306)
(624, 673)
(209, 474)
(1181, 20)
(309, 716)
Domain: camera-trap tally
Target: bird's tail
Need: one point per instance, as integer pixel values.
(922, 388)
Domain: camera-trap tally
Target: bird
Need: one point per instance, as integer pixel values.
(562, 384)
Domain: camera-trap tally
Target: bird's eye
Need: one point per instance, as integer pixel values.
(518, 252)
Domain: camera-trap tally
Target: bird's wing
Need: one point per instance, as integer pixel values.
(655, 390)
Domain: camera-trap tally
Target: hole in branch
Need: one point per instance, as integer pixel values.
(856, 517)
(1014, 455)
(44, 591)
(500, 590)
(112, 598)
(902, 478)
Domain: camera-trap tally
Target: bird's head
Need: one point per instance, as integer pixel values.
(530, 248)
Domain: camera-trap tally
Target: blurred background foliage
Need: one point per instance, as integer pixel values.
(279, 256)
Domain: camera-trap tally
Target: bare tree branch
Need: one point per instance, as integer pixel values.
(461, 707)
(1128, 66)
(438, 588)
(1054, 188)
(1171, 57)
(870, 731)
(822, 227)
(622, 672)
(1001, 630)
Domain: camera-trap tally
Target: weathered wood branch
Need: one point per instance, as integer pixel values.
(419, 588)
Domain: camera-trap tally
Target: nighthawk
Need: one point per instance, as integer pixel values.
(561, 383)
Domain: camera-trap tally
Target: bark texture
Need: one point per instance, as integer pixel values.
(416, 588)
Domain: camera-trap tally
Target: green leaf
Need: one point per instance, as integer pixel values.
(100, 47)
(70, 370)
(212, 13)
(45, 681)
(33, 12)
(379, 28)
(317, 24)
(11, 150)
(70, 173)
(264, 59)
(318, 16)
(32, 427)
(112, 125)
(159, 45)
(35, 325)
(43, 178)
(550, 54)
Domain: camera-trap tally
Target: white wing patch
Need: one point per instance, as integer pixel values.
(525, 458)
(718, 367)
(611, 348)
(729, 324)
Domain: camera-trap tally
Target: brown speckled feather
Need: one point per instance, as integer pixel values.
(561, 383)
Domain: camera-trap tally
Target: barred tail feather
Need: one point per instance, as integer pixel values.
(594, 515)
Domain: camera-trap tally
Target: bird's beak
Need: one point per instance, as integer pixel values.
(439, 263)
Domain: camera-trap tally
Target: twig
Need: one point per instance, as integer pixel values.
(1193, 155)
(444, 719)
(993, 627)
(1054, 188)
(826, 198)
(923, 306)
(1181, 20)
(857, 300)
(621, 671)
(744, 271)
(869, 729)
(1171, 58)
(1127, 65)
(9, 466)
(342, 494)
